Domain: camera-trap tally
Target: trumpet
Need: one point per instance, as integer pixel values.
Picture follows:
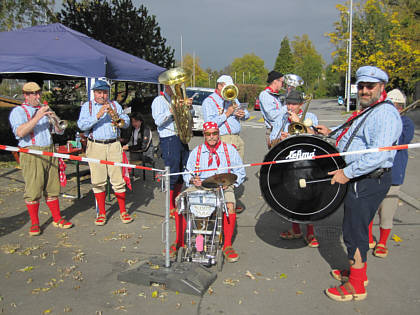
(54, 120)
(116, 120)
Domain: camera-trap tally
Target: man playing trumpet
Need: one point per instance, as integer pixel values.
(103, 144)
(226, 114)
(31, 126)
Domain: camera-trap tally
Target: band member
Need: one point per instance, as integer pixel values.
(390, 204)
(378, 124)
(214, 154)
(272, 108)
(31, 126)
(174, 152)
(294, 102)
(226, 114)
(103, 144)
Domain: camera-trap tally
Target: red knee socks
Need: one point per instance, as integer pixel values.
(33, 212)
(357, 278)
(228, 228)
(54, 206)
(310, 229)
(383, 236)
(296, 228)
(121, 201)
(100, 200)
(171, 200)
(370, 232)
(180, 225)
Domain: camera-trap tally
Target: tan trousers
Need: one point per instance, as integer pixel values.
(236, 141)
(388, 208)
(40, 174)
(100, 172)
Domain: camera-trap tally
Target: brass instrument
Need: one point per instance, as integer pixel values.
(409, 107)
(303, 124)
(175, 78)
(55, 120)
(230, 92)
(116, 120)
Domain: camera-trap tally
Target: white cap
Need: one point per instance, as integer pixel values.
(396, 96)
(225, 79)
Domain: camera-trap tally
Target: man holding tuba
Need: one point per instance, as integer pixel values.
(31, 126)
(101, 120)
(226, 113)
(174, 151)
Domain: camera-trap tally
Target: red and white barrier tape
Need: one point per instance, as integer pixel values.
(76, 158)
(83, 159)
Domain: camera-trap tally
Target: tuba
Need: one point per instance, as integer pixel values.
(175, 78)
(303, 124)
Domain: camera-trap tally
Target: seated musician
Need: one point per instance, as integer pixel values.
(294, 103)
(211, 155)
(138, 139)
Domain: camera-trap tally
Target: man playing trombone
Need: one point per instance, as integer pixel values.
(226, 114)
(31, 126)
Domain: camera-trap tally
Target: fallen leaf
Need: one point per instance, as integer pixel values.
(142, 294)
(283, 276)
(230, 282)
(155, 294)
(67, 309)
(299, 292)
(48, 311)
(396, 238)
(122, 291)
(144, 227)
(29, 280)
(178, 306)
(210, 291)
(27, 268)
(250, 275)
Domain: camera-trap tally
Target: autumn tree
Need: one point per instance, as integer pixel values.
(284, 61)
(383, 36)
(249, 69)
(16, 14)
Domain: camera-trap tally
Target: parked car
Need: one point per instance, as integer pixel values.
(198, 94)
(257, 104)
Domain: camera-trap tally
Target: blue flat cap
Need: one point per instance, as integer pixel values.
(100, 85)
(371, 74)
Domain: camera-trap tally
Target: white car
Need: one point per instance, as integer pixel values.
(198, 94)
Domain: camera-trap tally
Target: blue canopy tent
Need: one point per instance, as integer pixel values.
(56, 52)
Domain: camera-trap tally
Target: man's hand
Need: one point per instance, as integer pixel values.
(338, 177)
(283, 135)
(293, 116)
(323, 130)
(229, 111)
(41, 112)
(125, 147)
(104, 109)
(240, 113)
(196, 181)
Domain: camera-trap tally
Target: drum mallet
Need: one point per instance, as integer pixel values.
(303, 182)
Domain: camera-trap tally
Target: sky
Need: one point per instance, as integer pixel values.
(219, 31)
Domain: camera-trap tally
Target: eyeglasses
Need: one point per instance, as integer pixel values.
(34, 93)
(208, 134)
(369, 86)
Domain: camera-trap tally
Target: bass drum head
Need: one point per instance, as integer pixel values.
(279, 183)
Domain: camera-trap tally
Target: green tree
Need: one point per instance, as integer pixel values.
(384, 35)
(284, 61)
(16, 14)
(249, 67)
(308, 63)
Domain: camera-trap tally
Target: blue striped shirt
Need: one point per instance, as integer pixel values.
(41, 131)
(102, 128)
(234, 157)
(162, 116)
(272, 108)
(211, 113)
(381, 128)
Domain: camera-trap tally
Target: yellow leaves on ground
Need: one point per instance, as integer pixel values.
(396, 238)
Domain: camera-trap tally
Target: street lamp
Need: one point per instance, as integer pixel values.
(349, 60)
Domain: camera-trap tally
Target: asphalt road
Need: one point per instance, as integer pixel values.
(75, 271)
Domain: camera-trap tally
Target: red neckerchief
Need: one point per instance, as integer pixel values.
(300, 113)
(213, 151)
(357, 113)
(218, 93)
(271, 90)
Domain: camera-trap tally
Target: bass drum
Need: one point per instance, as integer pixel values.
(281, 184)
